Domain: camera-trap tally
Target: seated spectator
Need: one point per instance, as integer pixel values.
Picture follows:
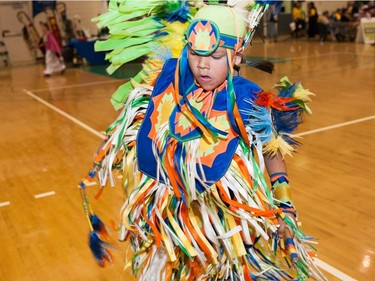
(324, 26)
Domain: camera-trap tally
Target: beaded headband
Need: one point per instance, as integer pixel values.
(215, 26)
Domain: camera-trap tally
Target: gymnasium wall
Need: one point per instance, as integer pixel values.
(11, 29)
(329, 6)
(87, 9)
(285, 17)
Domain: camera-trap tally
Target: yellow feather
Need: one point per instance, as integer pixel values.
(303, 94)
(174, 41)
(277, 143)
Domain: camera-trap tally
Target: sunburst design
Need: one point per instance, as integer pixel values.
(202, 37)
(183, 123)
(163, 106)
(210, 148)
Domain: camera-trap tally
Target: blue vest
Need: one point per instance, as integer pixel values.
(216, 155)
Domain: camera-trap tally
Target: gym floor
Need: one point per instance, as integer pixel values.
(51, 128)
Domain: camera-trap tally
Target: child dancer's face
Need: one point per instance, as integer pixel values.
(209, 71)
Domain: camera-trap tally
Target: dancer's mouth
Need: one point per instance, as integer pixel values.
(205, 78)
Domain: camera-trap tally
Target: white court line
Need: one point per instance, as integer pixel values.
(331, 270)
(3, 204)
(41, 195)
(313, 56)
(336, 126)
(75, 86)
(304, 57)
(318, 56)
(351, 53)
(63, 113)
(83, 125)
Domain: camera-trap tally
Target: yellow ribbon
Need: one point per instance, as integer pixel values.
(195, 224)
(236, 238)
(181, 235)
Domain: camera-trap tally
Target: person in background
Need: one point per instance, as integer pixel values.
(271, 19)
(68, 24)
(54, 61)
(298, 15)
(324, 26)
(313, 20)
(303, 20)
(80, 32)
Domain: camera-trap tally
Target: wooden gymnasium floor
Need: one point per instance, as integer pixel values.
(50, 129)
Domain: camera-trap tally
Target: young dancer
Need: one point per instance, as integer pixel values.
(193, 149)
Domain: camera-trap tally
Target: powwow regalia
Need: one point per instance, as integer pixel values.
(197, 204)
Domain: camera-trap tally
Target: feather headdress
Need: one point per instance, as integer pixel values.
(153, 30)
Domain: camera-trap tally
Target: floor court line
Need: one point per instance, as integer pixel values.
(305, 57)
(75, 86)
(114, 80)
(336, 126)
(326, 54)
(91, 183)
(333, 271)
(45, 194)
(320, 55)
(313, 56)
(63, 113)
(320, 263)
(3, 204)
(83, 125)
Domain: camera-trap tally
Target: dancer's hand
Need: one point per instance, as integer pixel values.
(284, 230)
